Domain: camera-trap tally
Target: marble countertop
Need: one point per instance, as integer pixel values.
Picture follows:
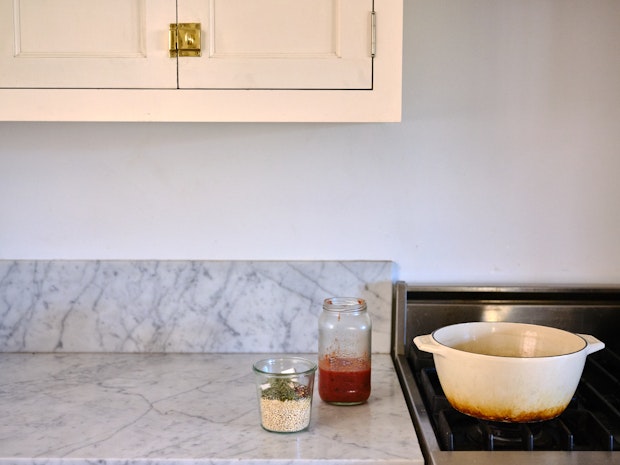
(175, 409)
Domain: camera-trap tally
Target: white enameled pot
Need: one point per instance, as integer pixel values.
(510, 372)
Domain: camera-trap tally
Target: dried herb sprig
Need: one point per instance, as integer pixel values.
(284, 389)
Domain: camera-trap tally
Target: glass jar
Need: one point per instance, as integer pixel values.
(285, 386)
(344, 351)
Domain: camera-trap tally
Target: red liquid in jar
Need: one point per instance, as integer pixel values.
(344, 380)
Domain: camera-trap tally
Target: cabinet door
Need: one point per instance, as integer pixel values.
(86, 44)
(279, 44)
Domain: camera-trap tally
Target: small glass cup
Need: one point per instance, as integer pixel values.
(284, 387)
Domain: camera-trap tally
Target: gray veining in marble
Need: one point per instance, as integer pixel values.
(151, 409)
(182, 306)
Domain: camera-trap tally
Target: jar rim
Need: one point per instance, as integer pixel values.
(281, 367)
(344, 304)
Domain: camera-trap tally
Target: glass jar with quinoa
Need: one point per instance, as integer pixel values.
(284, 388)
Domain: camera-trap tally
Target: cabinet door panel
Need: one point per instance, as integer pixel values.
(279, 44)
(86, 43)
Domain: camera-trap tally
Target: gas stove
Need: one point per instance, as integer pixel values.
(586, 433)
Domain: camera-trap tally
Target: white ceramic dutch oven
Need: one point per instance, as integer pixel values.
(510, 372)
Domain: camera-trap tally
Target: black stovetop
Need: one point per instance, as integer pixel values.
(589, 429)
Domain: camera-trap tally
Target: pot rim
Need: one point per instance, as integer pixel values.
(510, 357)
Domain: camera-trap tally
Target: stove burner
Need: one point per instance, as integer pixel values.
(576, 429)
(508, 436)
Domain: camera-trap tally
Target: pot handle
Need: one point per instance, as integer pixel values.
(428, 344)
(594, 345)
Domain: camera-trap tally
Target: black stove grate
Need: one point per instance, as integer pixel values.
(590, 423)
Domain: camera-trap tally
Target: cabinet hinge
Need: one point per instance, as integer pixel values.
(373, 34)
(184, 40)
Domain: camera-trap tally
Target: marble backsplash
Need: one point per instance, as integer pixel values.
(182, 306)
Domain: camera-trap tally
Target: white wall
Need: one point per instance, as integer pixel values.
(504, 169)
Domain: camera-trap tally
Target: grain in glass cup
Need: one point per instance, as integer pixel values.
(284, 388)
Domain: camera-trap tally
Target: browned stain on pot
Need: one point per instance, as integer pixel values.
(507, 415)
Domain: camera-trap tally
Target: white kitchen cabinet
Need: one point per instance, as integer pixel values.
(86, 44)
(260, 60)
(280, 44)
